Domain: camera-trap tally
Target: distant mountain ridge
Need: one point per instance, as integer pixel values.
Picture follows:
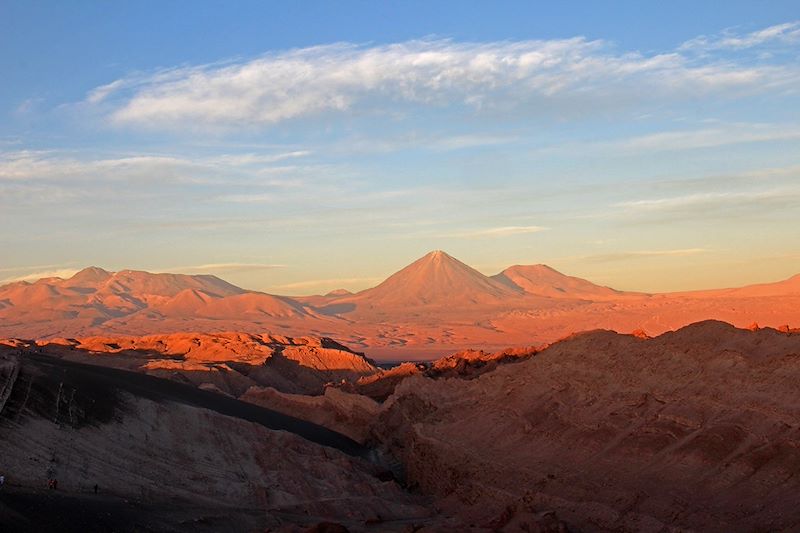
(94, 295)
(436, 279)
(543, 280)
(435, 305)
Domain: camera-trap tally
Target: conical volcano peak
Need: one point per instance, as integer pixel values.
(438, 263)
(437, 278)
(92, 270)
(88, 276)
(438, 256)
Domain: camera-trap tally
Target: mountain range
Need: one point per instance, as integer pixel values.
(435, 305)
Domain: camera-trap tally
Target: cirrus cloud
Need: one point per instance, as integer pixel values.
(62, 273)
(786, 33)
(342, 77)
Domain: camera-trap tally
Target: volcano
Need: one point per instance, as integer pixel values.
(436, 279)
(543, 280)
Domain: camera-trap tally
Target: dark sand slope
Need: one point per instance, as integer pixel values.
(171, 456)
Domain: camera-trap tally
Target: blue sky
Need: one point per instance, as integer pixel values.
(305, 146)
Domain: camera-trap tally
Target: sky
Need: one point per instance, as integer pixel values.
(300, 147)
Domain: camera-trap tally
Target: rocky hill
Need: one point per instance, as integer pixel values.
(693, 430)
(171, 457)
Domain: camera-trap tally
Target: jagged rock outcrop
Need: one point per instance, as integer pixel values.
(228, 362)
(467, 364)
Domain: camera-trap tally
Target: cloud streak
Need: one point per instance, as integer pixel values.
(224, 268)
(441, 73)
(705, 138)
(786, 33)
(709, 202)
(643, 254)
(336, 282)
(27, 165)
(503, 231)
(63, 273)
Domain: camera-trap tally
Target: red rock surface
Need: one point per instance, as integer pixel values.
(228, 362)
(697, 429)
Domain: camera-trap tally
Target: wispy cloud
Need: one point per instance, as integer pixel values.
(709, 202)
(421, 141)
(705, 137)
(343, 77)
(787, 33)
(257, 159)
(256, 198)
(502, 231)
(98, 94)
(33, 273)
(30, 268)
(335, 283)
(33, 276)
(28, 105)
(26, 165)
(460, 142)
(642, 254)
(223, 268)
